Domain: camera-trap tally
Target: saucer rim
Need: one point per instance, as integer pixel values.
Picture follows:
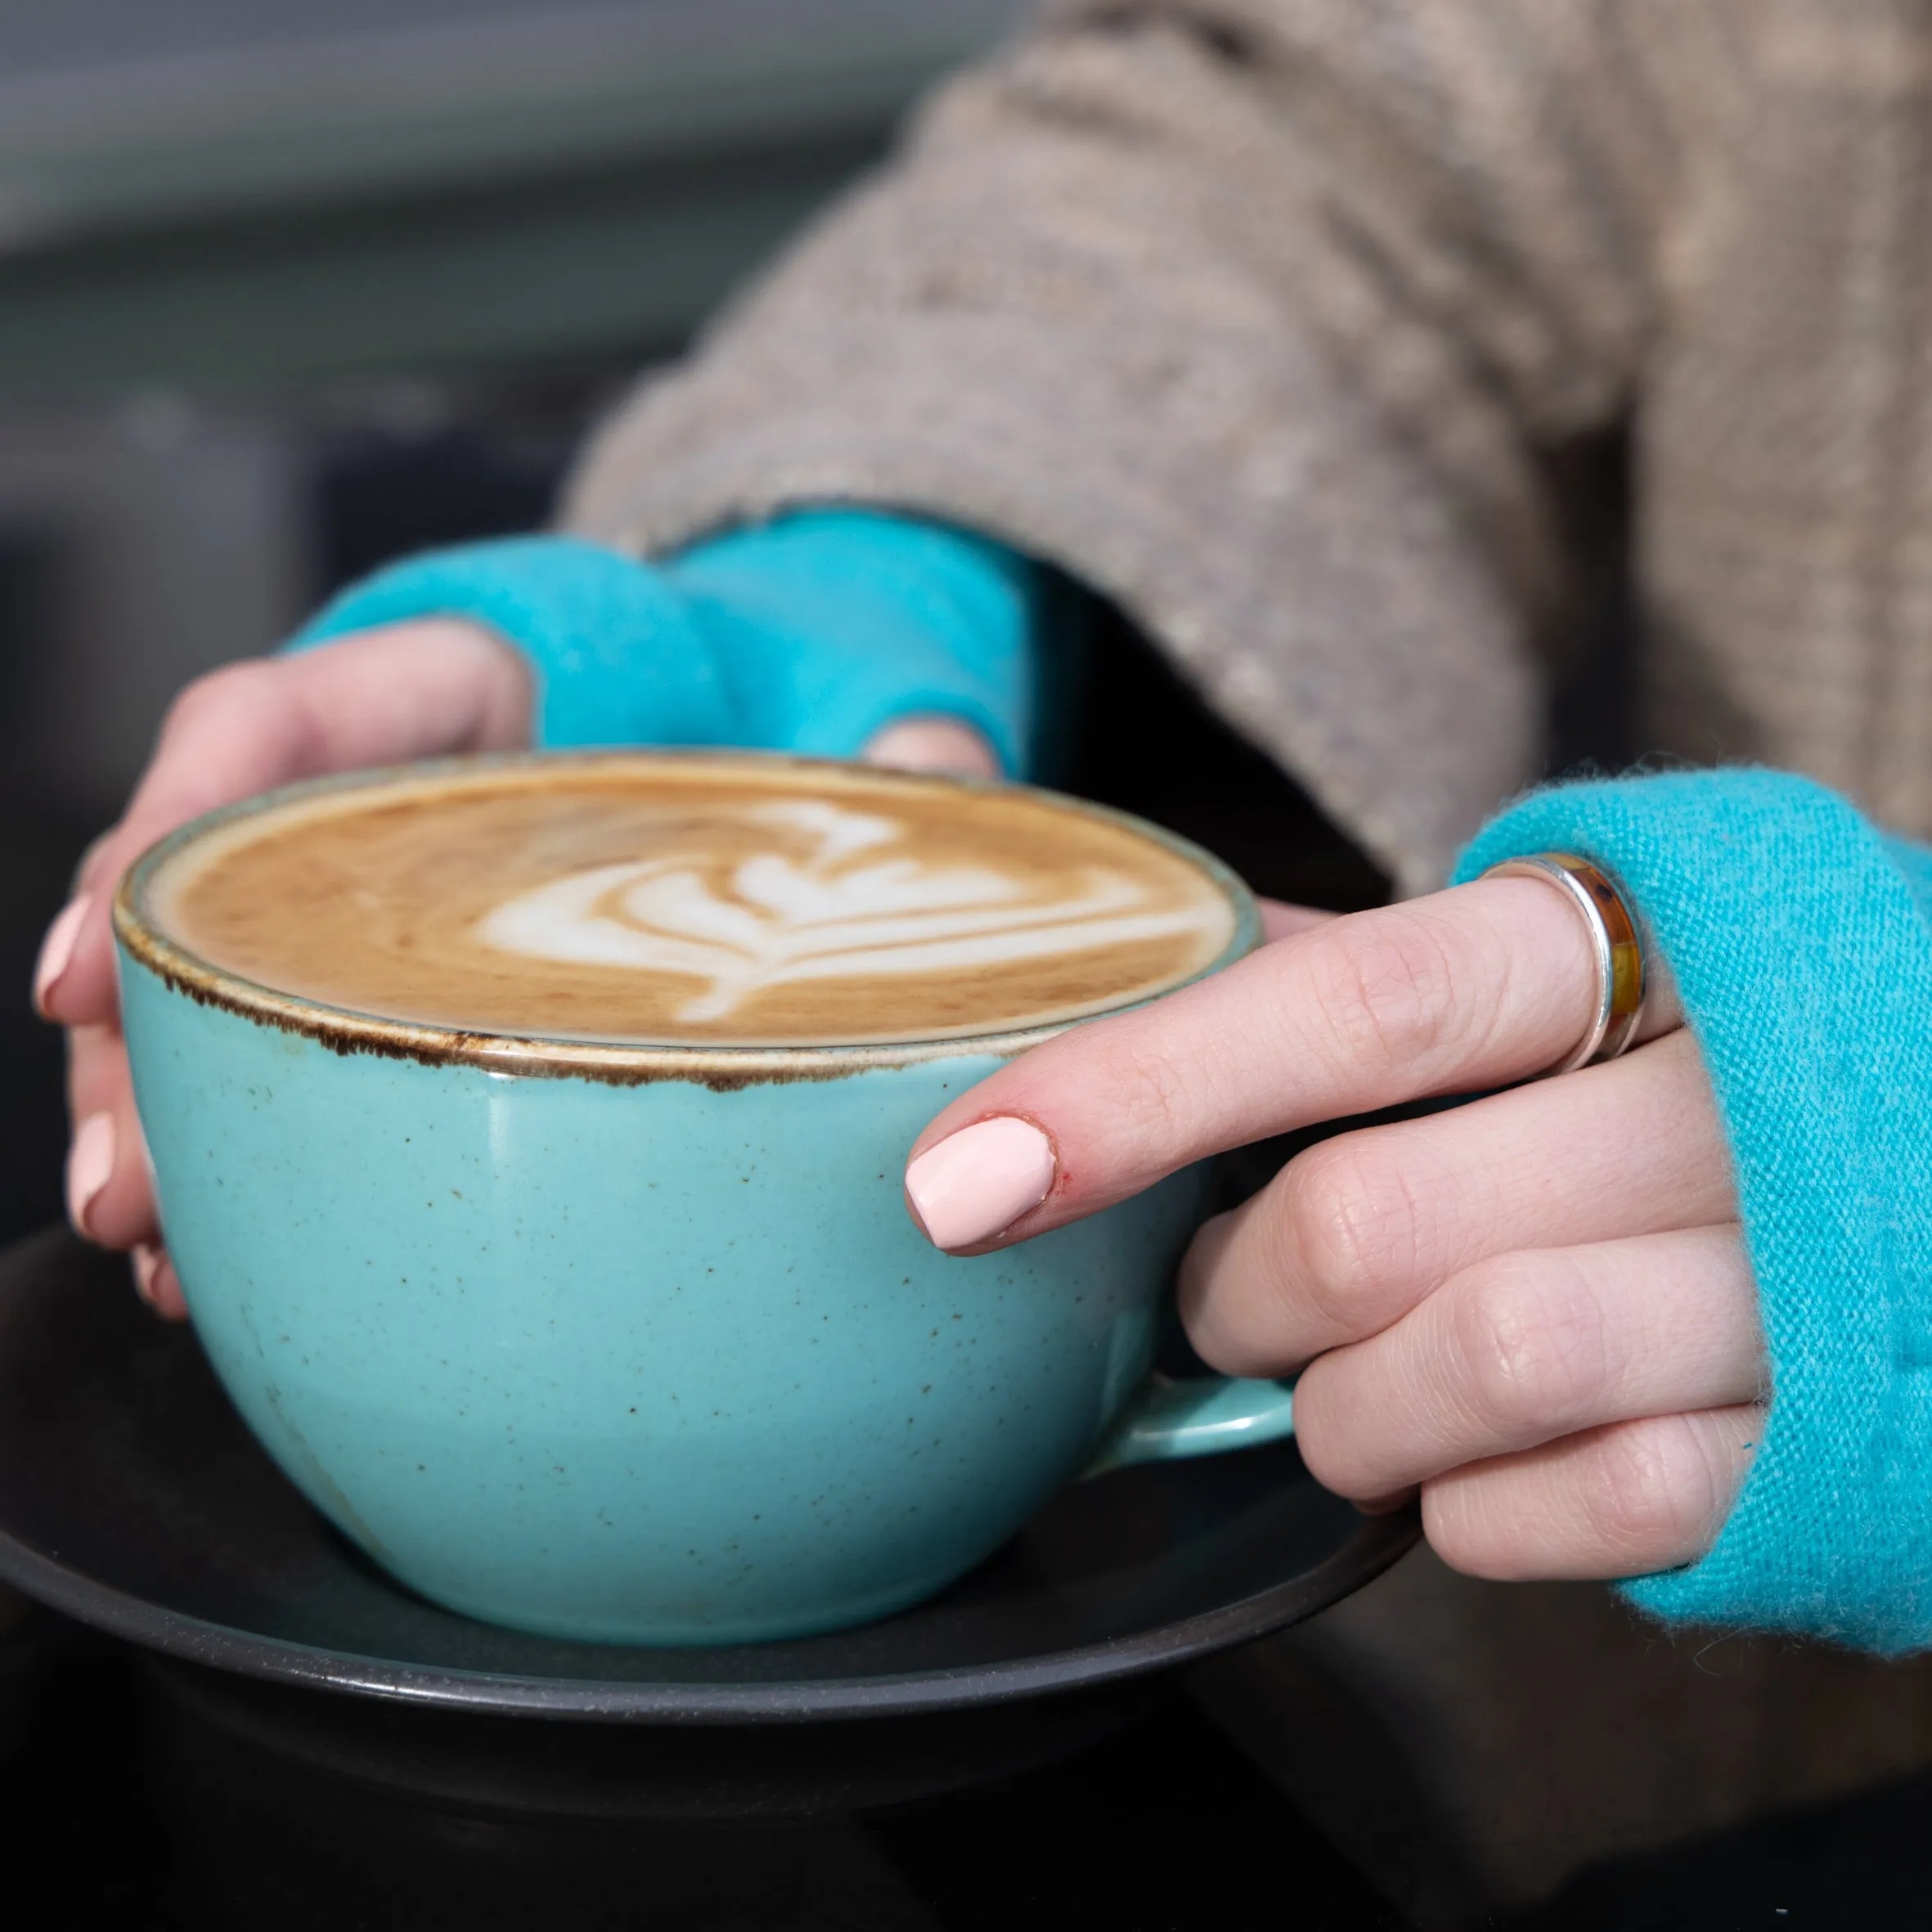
(1377, 1543)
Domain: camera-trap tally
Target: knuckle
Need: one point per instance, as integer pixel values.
(1150, 1089)
(1398, 989)
(1349, 1221)
(212, 694)
(1654, 1491)
(255, 707)
(1531, 1340)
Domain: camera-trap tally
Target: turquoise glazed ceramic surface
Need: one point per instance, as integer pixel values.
(636, 1344)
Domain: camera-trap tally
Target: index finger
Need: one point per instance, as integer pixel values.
(245, 737)
(406, 690)
(1476, 988)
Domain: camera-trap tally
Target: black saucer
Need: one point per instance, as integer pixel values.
(133, 1498)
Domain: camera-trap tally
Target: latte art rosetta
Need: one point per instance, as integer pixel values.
(628, 898)
(832, 902)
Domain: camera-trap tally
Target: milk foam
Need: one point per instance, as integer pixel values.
(628, 898)
(829, 901)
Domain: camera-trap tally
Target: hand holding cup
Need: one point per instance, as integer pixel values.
(417, 690)
(434, 688)
(1534, 1309)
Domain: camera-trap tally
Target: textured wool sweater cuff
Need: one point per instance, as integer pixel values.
(808, 634)
(1800, 940)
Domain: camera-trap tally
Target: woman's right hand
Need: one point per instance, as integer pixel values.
(428, 689)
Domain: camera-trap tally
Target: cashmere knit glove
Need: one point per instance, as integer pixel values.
(808, 634)
(1800, 940)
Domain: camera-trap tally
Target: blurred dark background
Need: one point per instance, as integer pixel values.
(288, 288)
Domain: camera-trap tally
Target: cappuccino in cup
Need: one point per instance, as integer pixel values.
(528, 1136)
(694, 903)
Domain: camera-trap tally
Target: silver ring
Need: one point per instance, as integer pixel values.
(1614, 940)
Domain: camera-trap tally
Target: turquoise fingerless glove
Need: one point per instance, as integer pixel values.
(807, 634)
(1801, 938)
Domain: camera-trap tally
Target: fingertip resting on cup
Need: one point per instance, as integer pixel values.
(90, 1167)
(977, 1182)
(56, 952)
(930, 743)
(145, 1260)
(155, 1280)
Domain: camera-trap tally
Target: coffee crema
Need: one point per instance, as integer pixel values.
(636, 900)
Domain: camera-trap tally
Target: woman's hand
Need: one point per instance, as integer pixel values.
(429, 688)
(420, 690)
(1534, 1308)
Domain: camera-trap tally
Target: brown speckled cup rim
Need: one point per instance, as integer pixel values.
(722, 1067)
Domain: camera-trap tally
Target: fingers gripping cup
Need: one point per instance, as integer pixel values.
(528, 1136)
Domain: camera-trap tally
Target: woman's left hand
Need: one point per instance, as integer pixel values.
(1536, 1307)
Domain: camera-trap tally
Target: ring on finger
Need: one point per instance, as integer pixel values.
(1614, 942)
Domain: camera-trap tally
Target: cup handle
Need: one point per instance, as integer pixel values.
(1205, 1415)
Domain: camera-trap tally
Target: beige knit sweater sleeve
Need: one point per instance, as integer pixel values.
(1255, 316)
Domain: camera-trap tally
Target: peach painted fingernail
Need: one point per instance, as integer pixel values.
(157, 1283)
(90, 1166)
(57, 950)
(145, 1259)
(978, 1182)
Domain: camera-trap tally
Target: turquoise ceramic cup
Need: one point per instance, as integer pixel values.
(637, 1344)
